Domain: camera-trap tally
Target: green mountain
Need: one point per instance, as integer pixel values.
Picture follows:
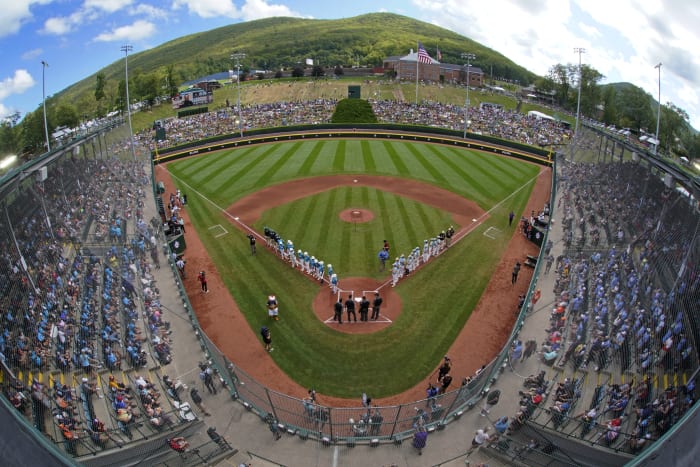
(275, 43)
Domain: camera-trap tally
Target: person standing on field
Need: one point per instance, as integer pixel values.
(350, 308)
(202, 278)
(338, 311)
(267, 338)
(516, 271)
(364, 309)
(376, 305)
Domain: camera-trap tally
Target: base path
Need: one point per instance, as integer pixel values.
(479, 341)
(250, 208)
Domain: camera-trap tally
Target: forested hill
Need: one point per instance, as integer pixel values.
(274, 43)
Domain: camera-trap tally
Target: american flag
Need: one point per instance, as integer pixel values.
(423, 56)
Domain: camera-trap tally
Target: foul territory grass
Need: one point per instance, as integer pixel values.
(436, 302)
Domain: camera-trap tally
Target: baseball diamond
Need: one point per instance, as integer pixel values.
(306, 211)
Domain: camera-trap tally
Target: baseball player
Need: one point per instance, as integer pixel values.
(334, 283)
(307, 259)
(272, 308)
(312, 266)
(291, 257)
(300, 259)
(319, 271)
(395, 272)
(426, 251)
(329, 272)
(280, 248)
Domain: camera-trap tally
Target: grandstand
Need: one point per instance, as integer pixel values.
(87, 337)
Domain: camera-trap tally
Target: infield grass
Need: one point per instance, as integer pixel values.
(437, 301)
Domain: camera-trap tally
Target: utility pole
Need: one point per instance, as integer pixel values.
(467, 56)
(658, 115)
(579, 51)
(237, 56)
(45, 65)
(126, 48)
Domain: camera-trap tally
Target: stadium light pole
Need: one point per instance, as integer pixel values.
(237, 56)
(579, 51)
(658, 114)
(126, 48)
(468, 57)
(44, 65)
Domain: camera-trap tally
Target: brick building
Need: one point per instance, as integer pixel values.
(404, 68)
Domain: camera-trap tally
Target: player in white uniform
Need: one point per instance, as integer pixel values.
(334, 283)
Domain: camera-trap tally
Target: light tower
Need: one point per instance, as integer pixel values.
(579, 51)
(237, 56)
(45, 65)
(126, 49)
(658, 114)
(467, 57)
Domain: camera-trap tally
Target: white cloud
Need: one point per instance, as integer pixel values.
(251, 9)
(208, 8)
(15, 13)
(109, 6)
(4, 111)
(148, 11)
(32, 54)
(256, 9)
(58, 26)
(17, 84)
(623, 39)
(139, 30)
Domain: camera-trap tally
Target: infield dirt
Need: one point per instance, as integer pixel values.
(478, 343)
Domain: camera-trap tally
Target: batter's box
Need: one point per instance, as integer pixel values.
(221, 230)
(492, 233)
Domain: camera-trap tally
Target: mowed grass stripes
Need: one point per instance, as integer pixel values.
(313, 225)
(436, 302)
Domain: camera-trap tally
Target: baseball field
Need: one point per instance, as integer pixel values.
(408, 192)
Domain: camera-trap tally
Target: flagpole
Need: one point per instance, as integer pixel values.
(417, 62)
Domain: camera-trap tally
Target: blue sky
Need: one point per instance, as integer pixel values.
(623, 39)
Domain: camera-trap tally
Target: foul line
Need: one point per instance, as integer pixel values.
(230, 216)
(477, 221)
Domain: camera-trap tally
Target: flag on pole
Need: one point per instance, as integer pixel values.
(423, 56)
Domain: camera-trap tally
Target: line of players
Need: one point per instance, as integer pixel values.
(302, 260)
(404, 265)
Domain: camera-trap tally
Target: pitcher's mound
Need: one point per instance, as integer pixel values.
(389, 311)
(356, 215)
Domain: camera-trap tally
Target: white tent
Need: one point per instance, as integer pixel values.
(539, 115)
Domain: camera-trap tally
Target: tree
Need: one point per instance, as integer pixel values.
(609, 106)
(9, 135)
(171, 81)
(66, 115)
(32, 136)
(278, 74)
(297, 72)
(99, 91)
(634, 109)
(338, 71)
(560, 77)
(317, 71)
(590, 90)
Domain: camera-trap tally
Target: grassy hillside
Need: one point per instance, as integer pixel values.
(275, 43)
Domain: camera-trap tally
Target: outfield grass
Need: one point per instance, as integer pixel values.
(436, 302)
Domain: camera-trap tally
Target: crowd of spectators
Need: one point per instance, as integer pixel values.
(486, 120)
(615, 309)
(76, 282)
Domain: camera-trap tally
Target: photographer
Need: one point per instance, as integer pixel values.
(251, 237)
